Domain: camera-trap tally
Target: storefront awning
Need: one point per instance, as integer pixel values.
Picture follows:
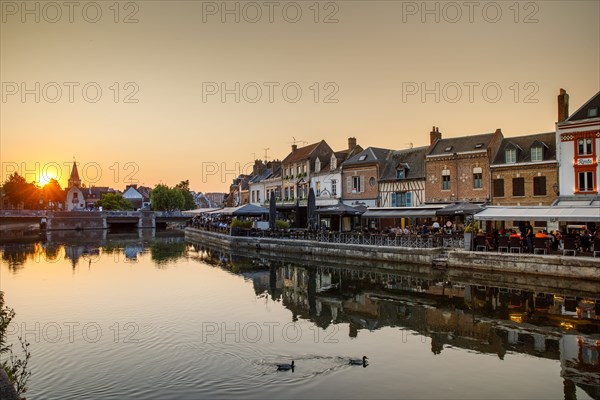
(575, 214)
(401, 212)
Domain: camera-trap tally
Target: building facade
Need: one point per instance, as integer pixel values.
(524, 171)
(402, 183)
(458, 169)
(578, 148)
(360, 176)
(327, 178)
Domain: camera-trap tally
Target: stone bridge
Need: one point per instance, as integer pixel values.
(56, 220)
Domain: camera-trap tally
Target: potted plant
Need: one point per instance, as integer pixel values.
(468, 236)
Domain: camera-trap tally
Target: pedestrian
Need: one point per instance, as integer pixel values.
(529, 236)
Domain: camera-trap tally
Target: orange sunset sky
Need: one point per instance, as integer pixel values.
(161, 91)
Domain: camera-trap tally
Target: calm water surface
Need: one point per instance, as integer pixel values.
(124, 316)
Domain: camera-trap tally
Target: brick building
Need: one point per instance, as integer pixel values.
(458, 169)
(361, 174)
(524, 171)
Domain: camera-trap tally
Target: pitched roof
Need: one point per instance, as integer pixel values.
(461, 144)
(523, 144)
(370, 155)
(412, 160)
(301, 153)
(96, 192)
(582, 112)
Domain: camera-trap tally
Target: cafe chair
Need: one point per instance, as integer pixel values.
(503, 244)
(515, 245)
(569, 245)
(539, 244)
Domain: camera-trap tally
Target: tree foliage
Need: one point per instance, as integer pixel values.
(16, 368)
(19, 192)
(53, 192)
(164, 198)
(114, 201)
(184, 187)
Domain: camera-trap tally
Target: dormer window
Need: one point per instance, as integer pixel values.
(479, 145)
(400, 173)
(333, 162)
(362, 158)
(537, 153)
(448, 149)
(317, 165)
(510, 156)
(592, 112)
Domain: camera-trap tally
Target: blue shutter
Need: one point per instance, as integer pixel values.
(408, 199)
(393, 196)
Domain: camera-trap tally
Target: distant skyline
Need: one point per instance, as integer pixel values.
(154, 92)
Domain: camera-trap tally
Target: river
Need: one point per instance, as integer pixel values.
(118, 316)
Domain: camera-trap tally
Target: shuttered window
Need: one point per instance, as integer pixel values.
(539, 185)
(518, 187)
(498, 187)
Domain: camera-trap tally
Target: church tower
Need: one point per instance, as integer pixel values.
(74, 180)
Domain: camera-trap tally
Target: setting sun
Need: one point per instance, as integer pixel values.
(45, 177)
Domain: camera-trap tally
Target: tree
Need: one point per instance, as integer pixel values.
(184, 187)
(20, 192)
(114, 201)
(53, 192)
(164, 198)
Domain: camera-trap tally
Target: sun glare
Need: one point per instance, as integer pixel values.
(45, 178)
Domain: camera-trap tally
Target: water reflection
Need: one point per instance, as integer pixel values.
(496, 315)
(460, 314)
(86, 247)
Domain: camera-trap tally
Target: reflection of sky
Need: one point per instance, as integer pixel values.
(169, 306)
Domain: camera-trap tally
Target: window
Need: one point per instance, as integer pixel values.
(498, 187)
(584, 147)
(318, 188)
(287, 193)
(477, 180)
(539, 185)
(362, 158)
(592, 112)
(317, 165)
(291, 193)
(333, 162)
(536, 153)
(334, 187)
(372, 181)
(586, 181)
(356, 188)
(400, 173)
(445, 182)
(402, 199)
(253, 196)
(518, 187)
(510, 156)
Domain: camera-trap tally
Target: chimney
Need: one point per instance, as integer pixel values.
(434, 135)
(294, 147)
(351, 143)
(563, 105)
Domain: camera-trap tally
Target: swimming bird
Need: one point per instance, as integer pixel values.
(358, 361)
(285, 367)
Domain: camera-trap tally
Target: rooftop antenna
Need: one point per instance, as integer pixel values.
(266, 156)
(304, 142)
(409, 144)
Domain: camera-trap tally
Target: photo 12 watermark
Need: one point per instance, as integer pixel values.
(254, 332)
(71, 332)
(270, 92)
(453, 12)
(253, 12)
(90, 172)
(53, 12)
(69, 92)
(471, 92)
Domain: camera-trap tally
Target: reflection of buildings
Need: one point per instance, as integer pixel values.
(480, 318)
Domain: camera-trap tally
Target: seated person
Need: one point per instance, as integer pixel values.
(541, 234)
(514, 234)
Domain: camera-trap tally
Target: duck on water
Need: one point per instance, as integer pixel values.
(286, 367)
(358, 361)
